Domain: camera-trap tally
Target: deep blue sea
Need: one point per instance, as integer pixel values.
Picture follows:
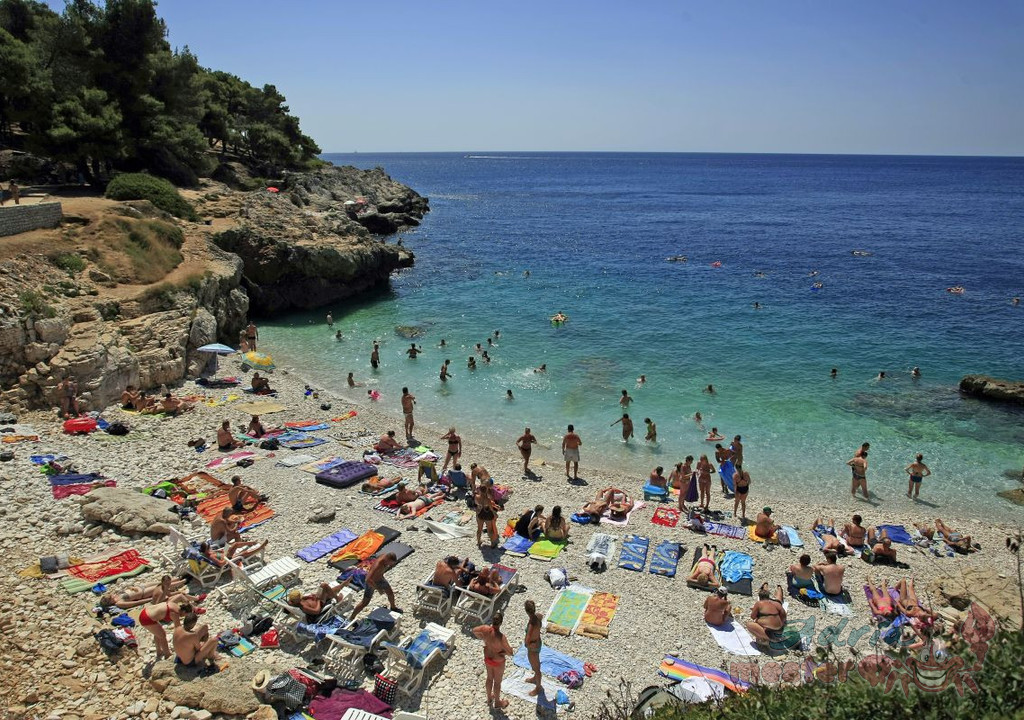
(594, 231)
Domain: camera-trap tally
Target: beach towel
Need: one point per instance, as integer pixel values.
(598, 614)
(380, 486)
(552, 662)
(634, 553)
(230, 459)
(794, 538)
(73, 585)
(517, 545)
(736, 566)
(600, 550)
(322, 464)
(897, 533)
(211, 508)
(345, 416)
(74, 479)
(328, 544)
(514, 684)
(722, 530)
(299, 441)
(262, 407)
(678, 669)
(449, 531)
(752, 535)
(388, 505)
(401, 551)
(122, 562)
(243, 648)
(404, 458)
(294, 460)
(62, 491)
(666, 559)
(13, 439)
(219, 401)
(666, 516)
(606, 518)
(307, 425)
(361, 548)
(734, 639)
(835, 605)
(199, 483)
(566, 611)
(547, 550)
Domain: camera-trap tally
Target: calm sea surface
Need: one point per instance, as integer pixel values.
(594, 231)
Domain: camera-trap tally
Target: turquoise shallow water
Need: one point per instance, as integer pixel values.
(594, 232)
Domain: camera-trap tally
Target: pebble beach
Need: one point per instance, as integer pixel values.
(50, 631)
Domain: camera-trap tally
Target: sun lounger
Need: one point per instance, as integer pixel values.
(407, 662)
(666, 559)
(288, 617)
(433, 598)
(474, 607)
(348, 647)
(634, 553)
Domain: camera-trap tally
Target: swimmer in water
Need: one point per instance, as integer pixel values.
(444, 374)
(352, 381)
(508, 395)
(486, 357)
(442, 343)
(757, 305)
(337, 335)
(471, 363)
(697, 418)
(526, 273)
(818, 286)
(835, 373)
(710, 389)
(497, 334)
(479, 348)
(1015, 301)
(413, 351)
(812, 273)
(652, 431)
(881, 375)
(542, 368)
(642, 380)
(714, 434)
(559, 317)
(916, 372)
(625, 400)
(490, 343)
(760, 274)
(374, 394)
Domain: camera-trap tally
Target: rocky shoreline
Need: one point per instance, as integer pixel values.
(48, 631)
(989, 388)
(251, 253)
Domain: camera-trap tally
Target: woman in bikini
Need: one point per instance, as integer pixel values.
(741, 482)
(880, 601)
(556, 528)
(676, 477)
(486, 512)
(167, 611)
(533, 644)
(704, 470)
(454, 448)
(688, 489)
(917, 471)
(705, 570)
(496, 650)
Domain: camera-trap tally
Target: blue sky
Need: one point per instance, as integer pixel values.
(924, 77)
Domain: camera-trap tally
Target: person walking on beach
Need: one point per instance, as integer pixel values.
(376, 582)
(15, 192)
(859, 467)
(375, 357)
(627, 428)
(454, 448)
(525, 445)
(444, 371)
(625, 400)
(252, 335)
(917, 471)
(571, 452)
(408, 401)
(496, 650)
(533, 643)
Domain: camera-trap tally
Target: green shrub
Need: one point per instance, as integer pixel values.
(34, 304)
(139, 186)
(71, 263)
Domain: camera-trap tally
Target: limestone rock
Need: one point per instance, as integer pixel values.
(263, 712)
(988, 388)
(322, 515)
(129, 510)
(226, 692)
(999, 593)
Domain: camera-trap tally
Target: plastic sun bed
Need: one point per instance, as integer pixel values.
(479, 608)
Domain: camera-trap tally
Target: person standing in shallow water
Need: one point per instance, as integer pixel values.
(917, 471)
(408, 402)
(859, 467)
(627, 428)
(375, 357)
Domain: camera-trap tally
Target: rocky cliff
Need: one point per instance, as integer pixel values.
(315, 241)
(988, 388)
(68, 306)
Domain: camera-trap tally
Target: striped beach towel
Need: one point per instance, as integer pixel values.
(677, 669)
(723, 530)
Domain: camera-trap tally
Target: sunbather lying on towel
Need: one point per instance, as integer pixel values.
(313, 605)
(610, 498)
(234, 550)
(956, 540)
(909, 605)
(407, 494)
(169, 405)
(379, 484)
(488, 583)
(768, 616)
(137, 594)
(880, 601)
(830, 537)
(413, 507)
(705, 570)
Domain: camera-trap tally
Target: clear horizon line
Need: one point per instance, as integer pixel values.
(665, 152)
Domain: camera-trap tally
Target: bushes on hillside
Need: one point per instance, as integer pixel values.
(139, 186)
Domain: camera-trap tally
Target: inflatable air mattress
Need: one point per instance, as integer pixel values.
(346, 474)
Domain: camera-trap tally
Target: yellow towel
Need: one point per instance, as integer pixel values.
(752, 534)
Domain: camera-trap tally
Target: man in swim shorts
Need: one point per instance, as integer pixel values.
(408, 401)
(194, 645)
(376, 582)
(831, 573)
(571, 452)
(375, 356)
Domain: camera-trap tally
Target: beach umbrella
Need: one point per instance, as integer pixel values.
(258, 360)
(217, 349)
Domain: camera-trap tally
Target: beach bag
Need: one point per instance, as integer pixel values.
(6, 456)
(117, 428)
(385, 689)
(269, 639)
(286, 690)
(257, 625)
(123, 620)
(109, 642)
(49, 564)
(126, 636)
(271, 444)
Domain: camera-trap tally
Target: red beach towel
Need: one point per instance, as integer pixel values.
(123, 562)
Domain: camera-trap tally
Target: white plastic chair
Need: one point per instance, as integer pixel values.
(346, 659)
(431, 598)
(480, 608)
(357, 714)
(287, 617)
(410, 676)
(403, 715)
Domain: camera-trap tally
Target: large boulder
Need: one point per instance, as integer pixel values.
(996, 591)
(129, 510)
(228, 692)
(989, 388)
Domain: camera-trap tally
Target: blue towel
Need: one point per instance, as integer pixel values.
(666, 558)
(321, 630)
(897, 533)
(794, 539)
(420, 648)
(582, 518)
(736, 566)
(75, 479)
(328, 544)
(634, 552)
(517, 544)
(552, 662)
(655, 490)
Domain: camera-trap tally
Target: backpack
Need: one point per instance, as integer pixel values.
(109, 642)
(270, 444)
(117, 428)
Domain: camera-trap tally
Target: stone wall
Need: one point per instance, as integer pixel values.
(16, 219)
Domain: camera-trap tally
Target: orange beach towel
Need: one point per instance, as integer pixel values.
(211, 507)
(597, 616)
(361, 548)
(121, 563)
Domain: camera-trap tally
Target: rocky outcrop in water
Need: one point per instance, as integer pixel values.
(988, 388)
(304, 247)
